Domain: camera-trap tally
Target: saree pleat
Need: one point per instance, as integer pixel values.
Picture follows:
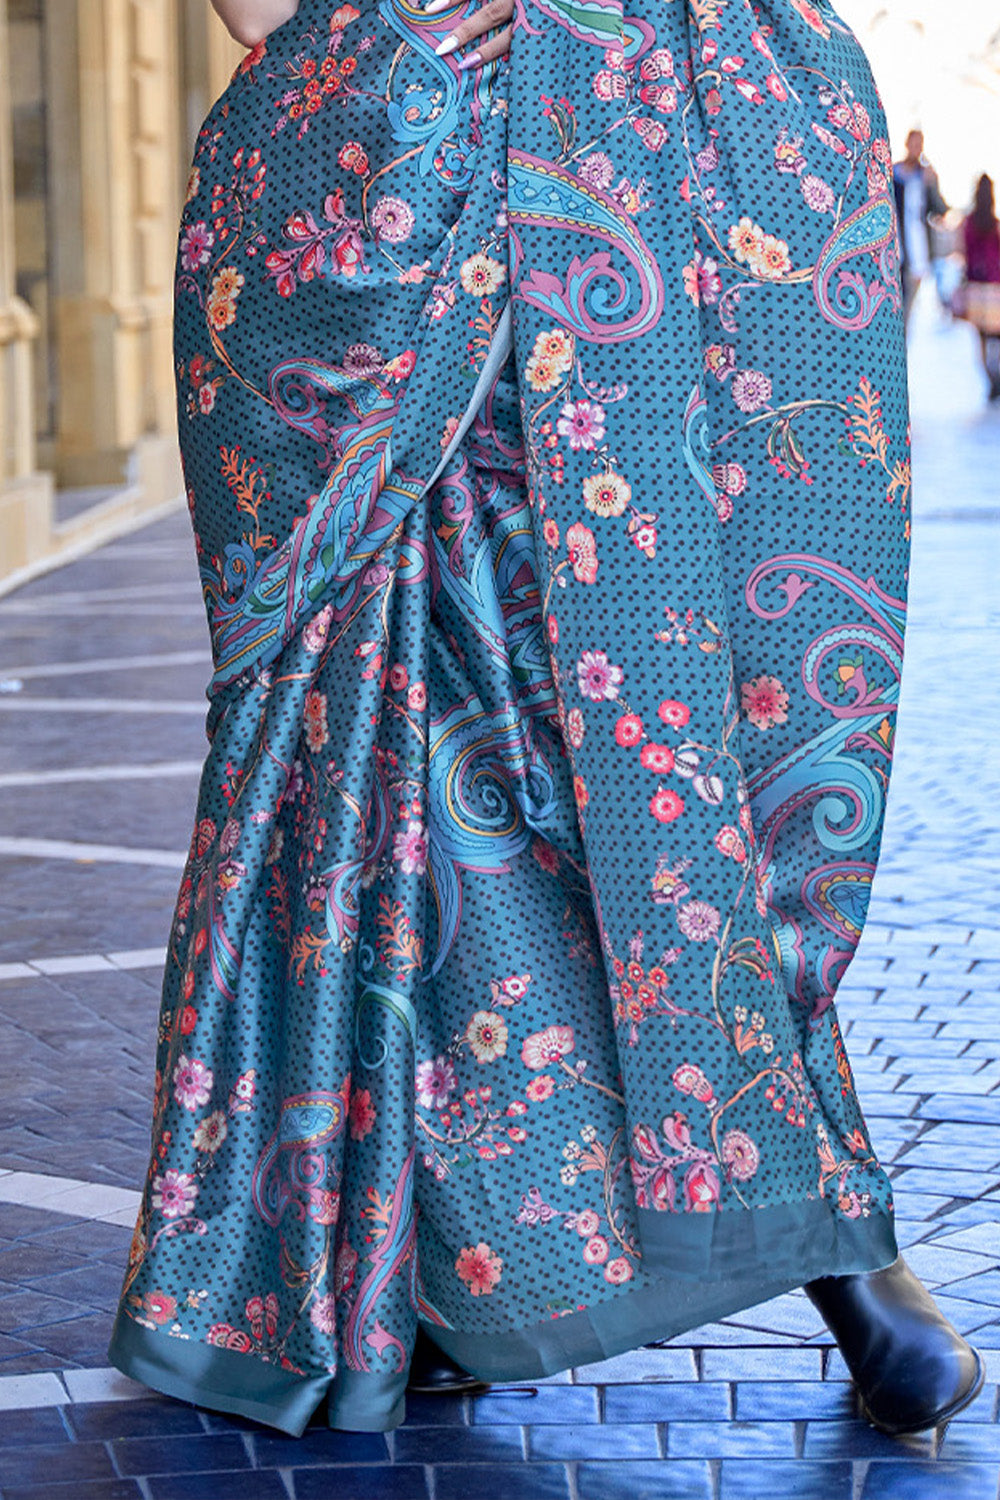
(545, 434)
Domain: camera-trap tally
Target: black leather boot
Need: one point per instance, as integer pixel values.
(432, 1373)
(912, 1369)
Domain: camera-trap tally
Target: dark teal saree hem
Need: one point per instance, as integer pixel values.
(658, 1310)
(222, 1380)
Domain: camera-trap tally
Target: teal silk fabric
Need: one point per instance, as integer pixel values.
(545, 434)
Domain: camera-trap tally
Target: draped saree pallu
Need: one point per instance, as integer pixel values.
(545, 434)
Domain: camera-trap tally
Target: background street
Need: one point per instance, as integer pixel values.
(103, 665)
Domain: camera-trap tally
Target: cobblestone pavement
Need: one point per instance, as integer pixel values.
(102, 672)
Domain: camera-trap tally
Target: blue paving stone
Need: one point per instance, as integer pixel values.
(967, 1215)
(943, 1264)
(616, 1442)
(731, 1440)
(106, 1242)
(29, 1307)
(971, 1156)
(119, 1419)
(983, 1287)
(874, 1030)
(504, 1482)
(18, 1221)
(794, 1400)
(972, 1440)
(562, 1404)
(392, 1482)
(437, 1411)
(76, 1341)
(683, 1401)
(682, 1480)
(33, 1260)
(926, 1481)
(954, 1183)
(318, 1445)
(92, 1285)
(936, 1047)
(879, 1106)
(52, 1464)
(987, 1337)
(797, 1480)
(981, 1239)
(100, 1489)
(761, 1364)
(19, 1429)
(262, 1485)
(966, 1315)
(19, 1358)
(859, 1440)
(960, 1107)
(651, 1362)
(457, 1445)
(909, 1233)
(176, 1455)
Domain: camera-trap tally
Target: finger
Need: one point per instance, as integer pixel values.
(479, 22)
(485, 19)
(497, 46)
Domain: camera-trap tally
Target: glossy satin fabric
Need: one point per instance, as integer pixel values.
(545, 434)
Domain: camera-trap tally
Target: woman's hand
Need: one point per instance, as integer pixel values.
(250, 21)
(493, 13)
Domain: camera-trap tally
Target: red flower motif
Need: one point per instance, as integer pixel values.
(658, 758)
(674, 713)
(362, 1114)
(628, 730)
(666, 806)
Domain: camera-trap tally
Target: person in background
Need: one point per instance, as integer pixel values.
(918, 199)
(981, 244)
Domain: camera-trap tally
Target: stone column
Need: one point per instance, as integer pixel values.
(112, 88)
(25, 493)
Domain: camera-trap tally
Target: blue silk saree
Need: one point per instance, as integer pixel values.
(544, 430)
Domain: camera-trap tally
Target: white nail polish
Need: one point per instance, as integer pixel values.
(437, 6)
(449, 44)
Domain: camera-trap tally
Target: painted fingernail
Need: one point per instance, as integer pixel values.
(474, 60)
(437, 6)
(449, 44)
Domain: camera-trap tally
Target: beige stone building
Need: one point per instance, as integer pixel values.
(99, 104)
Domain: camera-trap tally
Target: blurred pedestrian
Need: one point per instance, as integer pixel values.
(979, 298)
(918, 201)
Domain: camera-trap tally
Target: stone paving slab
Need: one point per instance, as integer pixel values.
(756, 1405)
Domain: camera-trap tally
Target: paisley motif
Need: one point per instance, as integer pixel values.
(594, 298)
(296, 1159)
(844, 297)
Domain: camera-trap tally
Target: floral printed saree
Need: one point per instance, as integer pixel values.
(545, 434)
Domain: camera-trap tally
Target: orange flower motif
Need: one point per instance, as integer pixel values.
(479, 1268)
